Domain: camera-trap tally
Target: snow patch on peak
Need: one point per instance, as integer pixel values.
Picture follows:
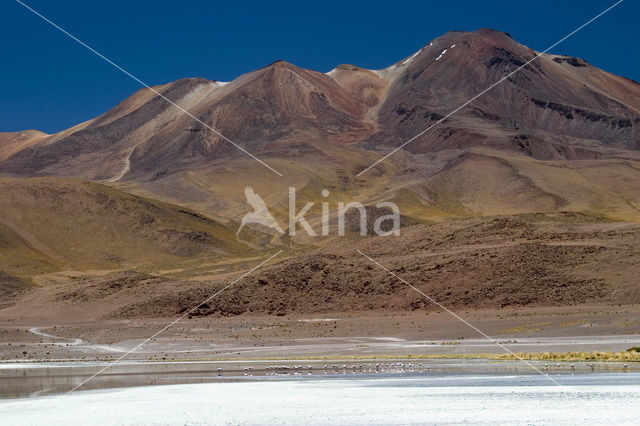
(443, 52)
(410, 58)
(406, 61)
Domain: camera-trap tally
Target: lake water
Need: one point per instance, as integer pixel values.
(605, 398)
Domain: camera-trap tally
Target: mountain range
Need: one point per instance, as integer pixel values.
(148, 187)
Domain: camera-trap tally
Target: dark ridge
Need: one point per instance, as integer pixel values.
(504, 55)
(11, 288)
(562, 109)
(348, 67)
(574, 62)
(195, 215)
(568, 112)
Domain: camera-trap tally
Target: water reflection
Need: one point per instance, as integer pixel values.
(31, 379)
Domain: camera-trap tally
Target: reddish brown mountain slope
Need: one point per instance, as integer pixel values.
(559, 135)
(555, 108)
(11, 143)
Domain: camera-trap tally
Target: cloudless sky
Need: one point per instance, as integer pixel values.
(49, 82)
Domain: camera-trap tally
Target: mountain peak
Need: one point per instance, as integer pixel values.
(492, 32)
(286, 109)
(279, 63)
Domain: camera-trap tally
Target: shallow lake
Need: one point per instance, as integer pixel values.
(605, 398)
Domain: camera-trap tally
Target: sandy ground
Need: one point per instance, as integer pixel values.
(585, 328)
(44, 358)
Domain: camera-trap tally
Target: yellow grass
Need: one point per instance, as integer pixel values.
(599, 356)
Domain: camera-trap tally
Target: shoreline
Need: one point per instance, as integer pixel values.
(631, 356)
(28, 379)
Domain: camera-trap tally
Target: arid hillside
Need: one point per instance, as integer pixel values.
(479, 263)
(54, 224)
(496, 262)
(529, 195)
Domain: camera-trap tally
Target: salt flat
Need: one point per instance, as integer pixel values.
(442, 399)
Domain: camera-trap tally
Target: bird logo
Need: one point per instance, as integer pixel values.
(260, 213)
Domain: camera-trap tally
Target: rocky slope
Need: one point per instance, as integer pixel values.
(149, 188)
(480, 263)
(514, 261)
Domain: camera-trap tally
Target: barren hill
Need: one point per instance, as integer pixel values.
(150, 193)
(54, 224)
(496, 262)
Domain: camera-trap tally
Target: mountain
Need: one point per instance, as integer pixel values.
(148, 188)
(562, 134)
(556, 107)
(11, 143)
(558, 134)
(145, 135)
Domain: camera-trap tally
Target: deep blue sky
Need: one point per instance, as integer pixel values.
(49, 82)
